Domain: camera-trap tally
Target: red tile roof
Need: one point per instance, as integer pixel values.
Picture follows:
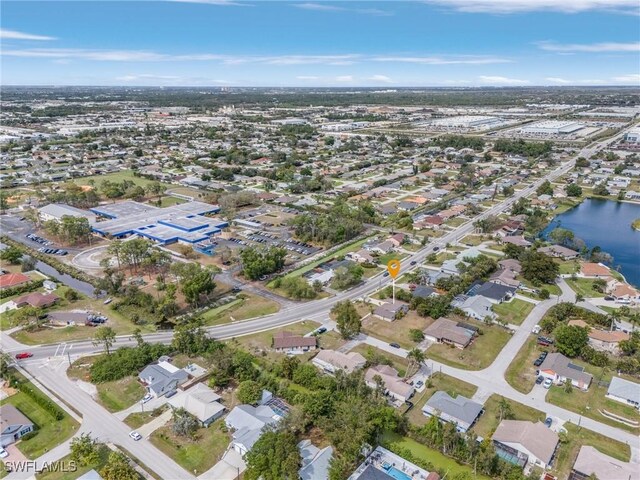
(12, 279)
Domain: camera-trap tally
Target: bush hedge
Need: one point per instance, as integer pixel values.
(44, 402)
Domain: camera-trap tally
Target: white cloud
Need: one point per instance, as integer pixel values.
(631, 78)
(558, 80)
(319, 7)
(344, 78)
(14, 35)
(438, 60)
(521, 6)
(307, 77)
(380, 78)
(591, 48)
(496, 80)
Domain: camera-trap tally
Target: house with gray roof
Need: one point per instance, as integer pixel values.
(201, 402)
(559, 369)
(315, 461)
(624, 391)
(449, 332)
(492, 291)
(525, 443)
(460, 411)
(13, 425)
(248, 423)
(391, 311)
(591, 462)
(162, 377)
(477, 307)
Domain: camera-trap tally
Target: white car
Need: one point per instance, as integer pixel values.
(146, 398)
(536, 329)
(547, 383)
(3, 453)
(135, 435)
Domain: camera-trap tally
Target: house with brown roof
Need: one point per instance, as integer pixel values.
(449, 332)
(291, 343)
(37, 299)
(594, 270)
(622, 292)
(558, 251)
(603, 340)
(397, 239)
(9, 280)
(525, 443)
(394, 386)
(391, 311)
(430, 221)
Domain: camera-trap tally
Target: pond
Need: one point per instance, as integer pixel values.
(606, 224)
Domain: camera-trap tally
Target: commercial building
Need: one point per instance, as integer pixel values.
(632, 136)
(552, 127)
(186, 223)
(55, 211)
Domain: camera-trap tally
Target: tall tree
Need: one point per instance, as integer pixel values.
(105, 337)
(275, 456)
(347, 318)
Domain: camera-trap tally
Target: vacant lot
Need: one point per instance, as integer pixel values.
(245, 306)
(584, 287)
(195, 455)
(372, 353)
(50, 432)
(476, 356)
(113, 177)
(137, 419)
(514, 311)
(438, 382)
(397, 331)
(490, 419)
(521, 373)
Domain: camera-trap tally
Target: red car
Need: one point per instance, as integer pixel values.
(23, 355)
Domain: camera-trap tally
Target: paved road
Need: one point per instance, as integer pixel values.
(51, 370)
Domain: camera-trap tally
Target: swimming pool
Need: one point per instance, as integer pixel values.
(397, 474)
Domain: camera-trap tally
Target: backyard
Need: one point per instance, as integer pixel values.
(397, 331)
(480, 354)
(584, 287)
(521, 373)
(514, 311)
(490, 419)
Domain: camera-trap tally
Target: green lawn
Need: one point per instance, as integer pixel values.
(397, 331)
(137, 419)
(168, 201)
(490, 419)
(245, 306)
(480, 354)
(397, 362)
(584, 287)
(521, 373)
(393, 441)
(80, 470)
(473, 240)
(386, 258)
(50, 432)
(552, 287)
(577, 437)
(514, 311)
(120, 394)
(568, 267)
(437, 382)
(590, 402)
(197, 455)
(259, 342)
(113, 177)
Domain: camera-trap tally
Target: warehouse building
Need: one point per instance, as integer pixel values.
(552, 127)
(55, 211)
(187, 223)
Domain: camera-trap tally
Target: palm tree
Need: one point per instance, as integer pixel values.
(416, 358)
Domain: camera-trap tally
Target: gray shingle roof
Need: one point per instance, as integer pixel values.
(625, 389)
(460, 408)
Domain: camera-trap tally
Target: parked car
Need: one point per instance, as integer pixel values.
(544, 354)
(146, 398)
(23, 355)
(413, 262)
(435, 249)
(547, 383)
(536, 329)
(539, 380)
(548, 421)
(394, 345)
(135, 435)
(419, 384)
(544, 341)
(537, 362)
(609, 298)
(321, 330)
(385, 274)
(3, 453)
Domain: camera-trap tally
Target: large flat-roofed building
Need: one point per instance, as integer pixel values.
(552, 127)
(55, 211)
(632, 136)
(187, 222)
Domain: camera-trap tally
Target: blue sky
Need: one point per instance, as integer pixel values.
(265, 43)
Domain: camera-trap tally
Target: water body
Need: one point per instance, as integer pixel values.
(606, 224)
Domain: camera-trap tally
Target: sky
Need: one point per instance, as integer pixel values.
(449, 43)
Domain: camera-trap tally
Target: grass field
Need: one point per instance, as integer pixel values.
(397, 331)
(197, 455)
(113, 177)
(120, 394)
(437, 459)
(245, 306)
(521, 373)
(437, 382)
(568, 267)
(490, 419)
(584, 287)
(386, 258)
(137, 419)
(50, 432)
(476, 356)
(514, 311)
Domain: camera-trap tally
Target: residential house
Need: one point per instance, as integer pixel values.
(559, 369)
(590, 463)
(315, 461)
(494, 292)
(624, 391)
(558, 251)
(517, 240)
(525, 443)
(13, 425)
(36, 299)
(247, 423)
(507, 272)
(398, 239)
(477, 306)
(291, 343)
(460, 411)
(594, 270)
(394, 386)
(603, 340)
(422, 291)
(430, 221)
(622, 292)
(10, 280)
(162, 377)
(201, 402)
(450, 267)
(449, 332)
(383, 248)
(361, 256)
(382, 464)
(391, 311)
(331, 360)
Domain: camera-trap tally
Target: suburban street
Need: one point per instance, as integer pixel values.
(50, 362)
